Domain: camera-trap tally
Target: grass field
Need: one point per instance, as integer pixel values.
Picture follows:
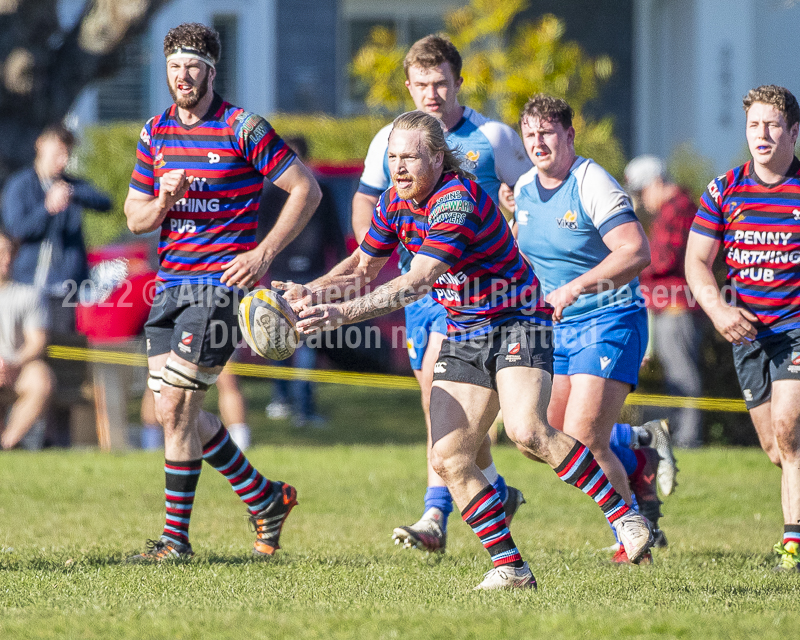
(70, 517)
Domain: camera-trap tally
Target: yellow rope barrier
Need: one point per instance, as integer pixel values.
(380, 381)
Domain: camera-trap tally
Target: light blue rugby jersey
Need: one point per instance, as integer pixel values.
(561, 231)
(492, 151)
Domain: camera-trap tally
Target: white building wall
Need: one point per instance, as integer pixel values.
(694, 60)
(256, 53)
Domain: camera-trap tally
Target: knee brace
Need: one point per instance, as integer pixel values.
(181, 376)
(154, 381)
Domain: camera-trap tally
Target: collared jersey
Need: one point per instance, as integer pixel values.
(229, 152)
(492, 151)
(488, 282)
(561, 230)
(759, 227)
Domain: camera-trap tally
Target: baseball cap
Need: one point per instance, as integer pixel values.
(642, 170)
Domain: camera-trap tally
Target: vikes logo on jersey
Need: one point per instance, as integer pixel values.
(470, 161)
(569, 221)
(522, 216)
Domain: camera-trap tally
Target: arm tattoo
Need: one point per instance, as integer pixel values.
(384, 299)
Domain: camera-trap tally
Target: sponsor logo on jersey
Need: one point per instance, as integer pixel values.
(440, 367)
(254, 127)
(196, 205)
(796, 214)
(713, 190)
(213, 158)
(412, 352)
(182, 226)
(470, 162)
(522, 216)
(569, 221)
(144, 136)
(159, 161)
(604, 362)
(748, 395)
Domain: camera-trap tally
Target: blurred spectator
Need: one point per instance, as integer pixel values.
(26, 382)
(42, 209)
(677, 325)
(308, 256)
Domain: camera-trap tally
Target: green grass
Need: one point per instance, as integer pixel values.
(70, 517)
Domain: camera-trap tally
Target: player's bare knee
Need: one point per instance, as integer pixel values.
(446, 463)
(787, 438)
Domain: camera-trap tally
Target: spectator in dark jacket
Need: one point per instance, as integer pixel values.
(42, 210)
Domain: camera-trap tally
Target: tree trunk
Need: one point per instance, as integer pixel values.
(43, 68)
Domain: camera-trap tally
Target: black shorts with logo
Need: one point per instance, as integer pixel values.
(760, 362)
(196, 321)
(517, 343)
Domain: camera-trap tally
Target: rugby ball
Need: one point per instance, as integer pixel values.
(268, 323)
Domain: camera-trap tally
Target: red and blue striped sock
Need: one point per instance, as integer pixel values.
(488, 520)
(791, 533)
(181, 483)
(222, 453)
(581, 470)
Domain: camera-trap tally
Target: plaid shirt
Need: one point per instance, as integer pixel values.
(668, 235)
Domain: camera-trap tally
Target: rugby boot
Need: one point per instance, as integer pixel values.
(507, 577)
(514, 500)
(634, 533)
(661, 441)
(164, 549)
(621, 557)
(426, 534)
(790, 557)
(268, 523)
(643, 486)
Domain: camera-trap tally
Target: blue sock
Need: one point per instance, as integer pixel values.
(439, 498)
(622, 435)
(621, 446)
(501, 488)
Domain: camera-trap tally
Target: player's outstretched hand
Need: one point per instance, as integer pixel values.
(734, 323)
(246, 269)
(323, 317)
(297, 295)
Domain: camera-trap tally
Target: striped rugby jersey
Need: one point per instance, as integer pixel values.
(759, 226)
(488, 282)
(229, 152)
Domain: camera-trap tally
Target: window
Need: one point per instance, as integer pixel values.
(124, 96)
(225, 83)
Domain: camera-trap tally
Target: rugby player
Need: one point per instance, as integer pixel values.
(578, 228)
(198, 176)
(498, 353)
(753, 212)
(494, 154)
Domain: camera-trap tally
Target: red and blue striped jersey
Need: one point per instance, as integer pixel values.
(759, 227)
(488, 282)
(229, 152)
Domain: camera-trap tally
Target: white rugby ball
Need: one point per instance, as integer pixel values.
(268, 324)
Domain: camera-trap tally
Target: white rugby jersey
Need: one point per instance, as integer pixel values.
(561, 230)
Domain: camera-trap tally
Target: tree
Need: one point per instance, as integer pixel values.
(45, 67)
(502, 71)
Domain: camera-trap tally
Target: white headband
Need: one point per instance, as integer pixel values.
(194, 54)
